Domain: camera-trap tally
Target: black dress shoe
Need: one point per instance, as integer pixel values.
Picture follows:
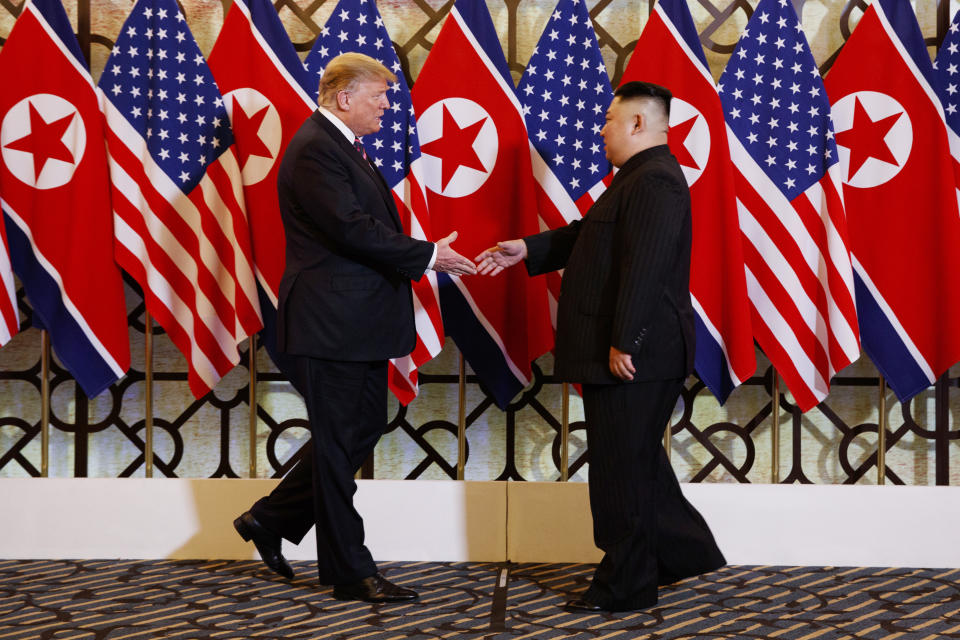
(582, 606)
(376, 588)
(266, 541)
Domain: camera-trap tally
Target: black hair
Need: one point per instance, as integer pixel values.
(640, 89)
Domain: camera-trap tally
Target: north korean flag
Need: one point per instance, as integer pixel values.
(268, 95)
(669, 53)
(9, 315)
(479, 182)
(900, 198)
(55, 190)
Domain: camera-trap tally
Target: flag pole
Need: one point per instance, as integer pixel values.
(882, 433)
(565, 433)
(775, 431)
(253, 405)
(148, 394)
(462, 420)
(668, 441)
(44, 403)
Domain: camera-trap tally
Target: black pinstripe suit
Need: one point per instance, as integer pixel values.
(626, 285)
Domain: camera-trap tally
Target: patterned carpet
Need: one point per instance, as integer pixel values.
(226, 600)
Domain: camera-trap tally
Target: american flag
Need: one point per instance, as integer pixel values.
(799, 277)
(356, 25)
(947, 67)
(565, 92)
(179, 217)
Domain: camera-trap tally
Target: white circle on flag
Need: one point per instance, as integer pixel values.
(465, 114)
(258, 132)
(872, 171)
(53, 111)
(696, 145)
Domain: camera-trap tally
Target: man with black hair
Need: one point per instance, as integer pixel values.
(625, 331)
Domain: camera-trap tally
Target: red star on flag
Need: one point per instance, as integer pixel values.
(455, 147)
(245, 128)
(865, 138)
(44, 141)
(676, 137)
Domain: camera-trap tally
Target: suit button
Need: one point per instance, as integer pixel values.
(637, 341)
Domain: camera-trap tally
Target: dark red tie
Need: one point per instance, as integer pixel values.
(359, 147)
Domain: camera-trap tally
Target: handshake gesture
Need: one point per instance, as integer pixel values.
(490, 262)
(505, 254)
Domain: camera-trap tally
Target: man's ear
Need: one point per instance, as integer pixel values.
(343, 100)
(638, 123)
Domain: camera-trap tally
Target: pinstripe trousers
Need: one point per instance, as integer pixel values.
(650, 533)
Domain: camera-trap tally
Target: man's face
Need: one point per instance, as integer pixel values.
(368, 101)
(621, 123)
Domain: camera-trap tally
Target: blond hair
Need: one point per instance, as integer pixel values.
(343, 73)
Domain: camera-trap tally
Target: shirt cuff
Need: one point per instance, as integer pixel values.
(433, 258)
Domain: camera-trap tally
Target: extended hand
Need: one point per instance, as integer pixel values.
(449, 261)
(621, 364)
(505, 254)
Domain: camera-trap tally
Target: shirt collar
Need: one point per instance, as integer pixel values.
(338, 123)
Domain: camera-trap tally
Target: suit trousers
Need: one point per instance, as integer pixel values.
(650, 533)
(347, 409)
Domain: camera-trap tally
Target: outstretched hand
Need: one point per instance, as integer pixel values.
(449, 261)
(505, 254)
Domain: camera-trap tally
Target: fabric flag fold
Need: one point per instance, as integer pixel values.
(179, 220)
(900, 194)
(479, 182)
(669, 53)
(9, 312)
(55, 191)
(356, 25)
(565, 92)
(792, 220)
(268, 94)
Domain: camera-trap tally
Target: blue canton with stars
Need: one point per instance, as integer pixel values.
(158, 79)
(355, 25)
(565, 92)
(947, 66)
(774, 100)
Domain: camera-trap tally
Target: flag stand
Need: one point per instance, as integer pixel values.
(253, 405)
(148, 394)
(44, 403)
(462, 421)
(565, 433)
(882, 433)
(775, 431)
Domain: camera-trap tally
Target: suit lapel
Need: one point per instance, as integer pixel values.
(364, 164)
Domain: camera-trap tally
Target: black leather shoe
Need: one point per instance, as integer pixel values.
(266, 541)
(582, 606)
(376, 588)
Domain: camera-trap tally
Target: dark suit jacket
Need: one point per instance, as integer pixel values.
(345, 293)
(627, 277)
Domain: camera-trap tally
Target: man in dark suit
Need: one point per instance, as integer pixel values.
(345, 308)
(625, 330)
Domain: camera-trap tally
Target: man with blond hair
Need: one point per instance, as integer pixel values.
(345, 308)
